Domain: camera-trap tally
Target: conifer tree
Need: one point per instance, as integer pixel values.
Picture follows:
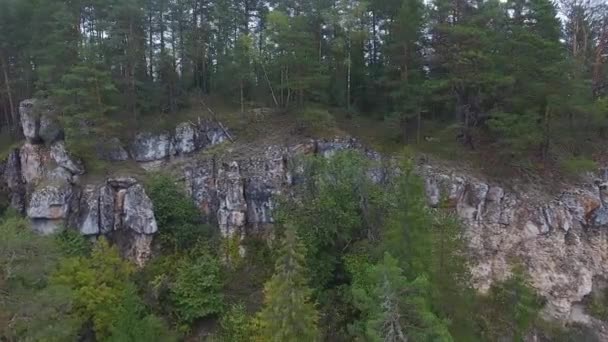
(288, 315)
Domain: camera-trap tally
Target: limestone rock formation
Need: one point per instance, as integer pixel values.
(561, 240)
(39, 122)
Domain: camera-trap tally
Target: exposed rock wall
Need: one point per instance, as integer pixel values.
(561, 240)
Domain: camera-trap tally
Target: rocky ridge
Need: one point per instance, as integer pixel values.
(561, 240)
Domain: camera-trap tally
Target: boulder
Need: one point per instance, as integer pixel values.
(147, 147)
(39, 121)
(186, 138)
(62, 157)
(112, 150)
(50, 201)
(138, 211)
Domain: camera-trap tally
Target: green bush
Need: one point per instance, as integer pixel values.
(235, 326)
(71, 243)
(179, 220)
(196, 290)
(577, 165)
(315, 121)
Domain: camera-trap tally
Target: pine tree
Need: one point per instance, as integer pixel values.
(288, 314)
(395, 309)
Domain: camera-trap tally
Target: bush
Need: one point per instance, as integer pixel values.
(315, 121)
(235, 324)
(577, 165)
(196, 290)
(179, 220)
(72, 244)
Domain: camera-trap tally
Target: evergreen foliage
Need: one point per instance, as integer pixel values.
(289, 314)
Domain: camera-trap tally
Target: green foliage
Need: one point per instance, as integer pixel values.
(314, 121)
(133, 324)
(32, 309)
(99, 284)
(180, 223)
(577, 166)
(395, 309)
(288, 314)
(72, 243)
(510, 309)
(330, 215)
(235, 324)
(196, 290)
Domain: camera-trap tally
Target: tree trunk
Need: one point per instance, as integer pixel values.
(9, 92)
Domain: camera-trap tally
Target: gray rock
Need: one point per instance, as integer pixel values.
(59, 174)
(328, 148)
(112, 150)
(121, 182)
(200, 186)
(186, 138)
(33, 161)
(46, 227)
(89, 207)
(109, 209)
(50, 202)
(29, 120)
(39, 121)
(65, 160)
(151, 147)
(138, 211)
(231, 215)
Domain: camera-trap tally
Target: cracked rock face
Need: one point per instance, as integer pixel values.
(561, 242)
(138, 211)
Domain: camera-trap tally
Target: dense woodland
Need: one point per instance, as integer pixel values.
(349, 259)
(525, 77)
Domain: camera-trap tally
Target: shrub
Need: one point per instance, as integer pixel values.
(178, 218)
(196, 289)
(99, 284)
(315, 121)
(72, 244)
(235, 324)
(577, 165)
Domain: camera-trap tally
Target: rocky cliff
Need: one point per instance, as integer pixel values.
(560, 239)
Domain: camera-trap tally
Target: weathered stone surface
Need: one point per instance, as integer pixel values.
(50, 202)
(33, 160)
(121, 182)
(112, 150)
(61, 156)
(186, 138)
(549, 237)
(39, 121)
(150, 147)
(29, 120)
(89, 207)
(200, 186)
(138, 211)
(232, 210)
(46, 227)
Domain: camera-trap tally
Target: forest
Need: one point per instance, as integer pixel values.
(524, 78)
(350, 259)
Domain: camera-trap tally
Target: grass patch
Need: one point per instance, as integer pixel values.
(575, 166)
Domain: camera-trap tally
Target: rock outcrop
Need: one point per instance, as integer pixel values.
(561, 240)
